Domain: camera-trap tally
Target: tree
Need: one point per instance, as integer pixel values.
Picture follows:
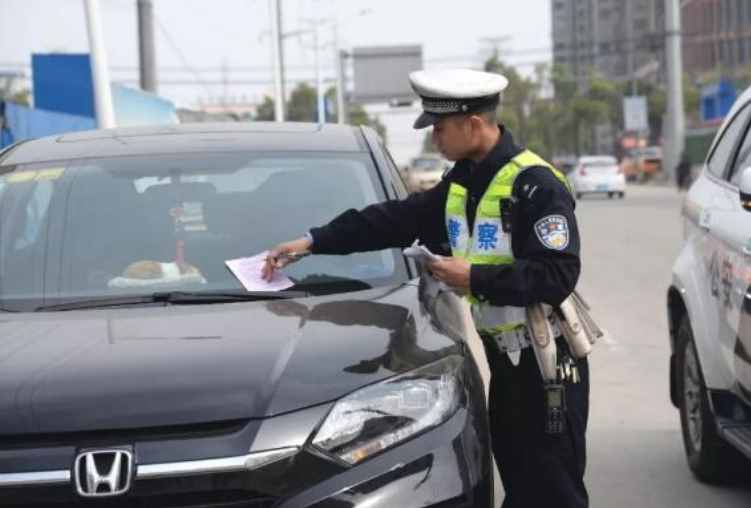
(691, 97)
(518, 98)
(358, 116)
(657, 106)
(302, 105)
(22, 97)
(265, 111)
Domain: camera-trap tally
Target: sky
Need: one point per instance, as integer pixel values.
(219, 50)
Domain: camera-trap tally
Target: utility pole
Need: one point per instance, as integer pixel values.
(276, 42)
(146, 49)
(319, 81)
(496, 44)
(631, 45)
(105, 115)
(225, 82)
(280, 35)
(341, 103)
(340, 60)
(676, 122)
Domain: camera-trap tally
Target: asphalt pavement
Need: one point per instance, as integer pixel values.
(635, 449)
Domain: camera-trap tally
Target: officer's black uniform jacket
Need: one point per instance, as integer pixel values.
(538, 274)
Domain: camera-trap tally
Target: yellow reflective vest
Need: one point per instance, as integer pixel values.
(488, 244)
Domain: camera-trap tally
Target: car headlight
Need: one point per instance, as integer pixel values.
(379, 416)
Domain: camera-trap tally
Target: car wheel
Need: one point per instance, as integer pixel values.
(621, 195)
(578, 195)
(610, 195)
(710, 458)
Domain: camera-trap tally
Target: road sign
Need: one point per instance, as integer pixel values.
(381, 72)
(635, 113)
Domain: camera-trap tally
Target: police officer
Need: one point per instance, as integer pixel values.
(504, 219)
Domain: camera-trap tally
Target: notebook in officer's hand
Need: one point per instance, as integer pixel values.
(421, 254)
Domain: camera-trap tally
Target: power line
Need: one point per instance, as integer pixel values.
(180, 55)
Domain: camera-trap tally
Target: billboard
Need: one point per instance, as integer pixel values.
(62, 83)
(635, 113)
(381, 73)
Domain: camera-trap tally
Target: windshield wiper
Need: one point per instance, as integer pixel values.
(173, 297)
(322, 284)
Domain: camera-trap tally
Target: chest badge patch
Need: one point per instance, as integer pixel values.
(553, 232)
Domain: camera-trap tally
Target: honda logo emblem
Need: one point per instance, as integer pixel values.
(103, 473)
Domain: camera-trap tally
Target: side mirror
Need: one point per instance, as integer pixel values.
(745, 189)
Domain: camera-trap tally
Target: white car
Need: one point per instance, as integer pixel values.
(425, 172)
(709, 308)
(598, 174)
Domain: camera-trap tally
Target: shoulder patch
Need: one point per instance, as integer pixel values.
(553, 232)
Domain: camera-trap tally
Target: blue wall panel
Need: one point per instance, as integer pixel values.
(62, 83)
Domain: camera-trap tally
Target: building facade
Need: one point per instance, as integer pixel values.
(716, 36)
(622, 39)
(618, 39)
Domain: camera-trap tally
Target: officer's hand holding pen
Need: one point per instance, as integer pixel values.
(453, 271)
(284, 254)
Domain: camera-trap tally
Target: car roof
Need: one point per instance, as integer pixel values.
(591, 159)
(429, 155)
(188, 138)
(744, 99)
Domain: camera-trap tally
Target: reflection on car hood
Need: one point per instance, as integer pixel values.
(144, 367)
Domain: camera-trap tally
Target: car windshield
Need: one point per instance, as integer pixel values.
(134, 225)
(651, 153)
(426, 164)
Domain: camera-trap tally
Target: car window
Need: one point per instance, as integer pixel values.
(35, 213)
(723, 152)
(651, 152)
(742, 160)
(396, 176)
(427, 164)
(136, 224)
(600, 167)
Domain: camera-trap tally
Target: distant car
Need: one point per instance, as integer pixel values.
(640, 164)
(135, 366)
(425, 171)
(597, 174)
(649, 161)
(709, 308)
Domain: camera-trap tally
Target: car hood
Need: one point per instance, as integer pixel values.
(157, 366)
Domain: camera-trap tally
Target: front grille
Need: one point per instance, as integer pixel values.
(228, 490)
(94, 438)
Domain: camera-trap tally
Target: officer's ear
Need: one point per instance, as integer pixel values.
(477, 123)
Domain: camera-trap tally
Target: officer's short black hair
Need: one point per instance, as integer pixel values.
(490, 117)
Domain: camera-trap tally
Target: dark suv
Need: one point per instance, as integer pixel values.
(135, 370)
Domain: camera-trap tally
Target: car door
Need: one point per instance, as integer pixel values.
(728, 227)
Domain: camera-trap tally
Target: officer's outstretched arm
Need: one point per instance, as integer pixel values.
(389, 224)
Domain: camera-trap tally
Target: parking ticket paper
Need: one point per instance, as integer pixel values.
(248, 272)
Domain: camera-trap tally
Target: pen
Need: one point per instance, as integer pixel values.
(291, 256)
